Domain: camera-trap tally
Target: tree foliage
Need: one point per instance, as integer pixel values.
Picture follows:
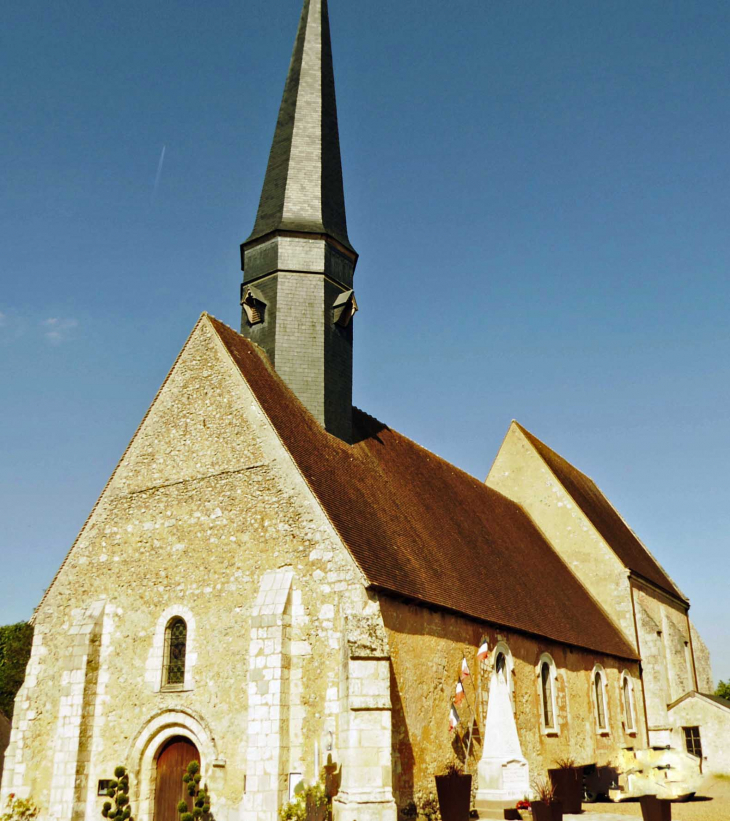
(198, 793)
(15, 642)
(118, 791)
(723, 689)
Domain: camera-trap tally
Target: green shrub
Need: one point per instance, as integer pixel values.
(15, 643)
(119, 791)
(723, 689)
(201, 799)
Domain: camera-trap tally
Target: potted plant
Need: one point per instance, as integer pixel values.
(655, 809)
(546, 807)
(453, 788)
(567, 781)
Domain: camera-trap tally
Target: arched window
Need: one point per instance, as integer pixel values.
(503, 670)
(627, 691)
(599, 694)
(547, 680)
(547, 696)
(176, 639)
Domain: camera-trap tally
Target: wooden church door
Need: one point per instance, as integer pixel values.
(170, 788)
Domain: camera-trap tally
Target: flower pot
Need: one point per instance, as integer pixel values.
(546, 812)
(655, 809)
(315, 812)
(568, 785)
(454, 794)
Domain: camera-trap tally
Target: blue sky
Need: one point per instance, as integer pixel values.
(539, 193)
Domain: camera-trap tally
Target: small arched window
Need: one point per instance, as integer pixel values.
(176, 639)
(628, 698)
(600, 701)
(547, 696)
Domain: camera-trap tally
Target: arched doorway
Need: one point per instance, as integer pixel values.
(170, 789)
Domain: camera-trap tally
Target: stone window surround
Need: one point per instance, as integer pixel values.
(156, 658)
(553, 730)
(626, 677)
(605, 731)
(502, 647)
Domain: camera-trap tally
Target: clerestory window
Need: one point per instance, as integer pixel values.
(628, 698)
(176, 639)
(547, 696)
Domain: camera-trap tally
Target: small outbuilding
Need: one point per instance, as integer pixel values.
(701, 725)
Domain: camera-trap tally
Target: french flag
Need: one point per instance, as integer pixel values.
(459, 697)
(464, 669)
(483, 651)
(453, 719)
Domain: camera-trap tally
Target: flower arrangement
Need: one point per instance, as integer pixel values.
(19, 809)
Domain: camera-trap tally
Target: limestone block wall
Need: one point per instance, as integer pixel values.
(703, 663)
(666, 652)
(426, 650)
(713, 720)
(203, 504)
(520, 473)
(365, 738)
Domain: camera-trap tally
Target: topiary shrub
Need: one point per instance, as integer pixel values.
(199, 794)
(118, 791)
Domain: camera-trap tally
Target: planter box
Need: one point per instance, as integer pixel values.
(546, 812)
(454, 794)
(314, 812)
(655, 809)
(568, 785)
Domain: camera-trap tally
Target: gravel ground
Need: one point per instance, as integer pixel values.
(712, 803)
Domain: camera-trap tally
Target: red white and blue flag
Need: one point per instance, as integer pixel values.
(483, 651)
(459, 697)
(464, 669)
(453, 719)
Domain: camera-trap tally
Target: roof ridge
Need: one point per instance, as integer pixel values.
(414, 522)
(673, 588)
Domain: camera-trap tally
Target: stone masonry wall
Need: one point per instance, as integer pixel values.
(520, 473)
(203, 504)
(427, 647)
(703, 663)
(714, 723)
(666, 652)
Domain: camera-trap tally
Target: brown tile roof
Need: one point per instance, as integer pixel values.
(615, 532)
(421, 528)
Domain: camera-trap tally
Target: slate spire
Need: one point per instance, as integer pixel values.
(303, 189)
(297, 298)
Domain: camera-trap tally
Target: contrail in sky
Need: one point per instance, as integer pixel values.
(159, 171)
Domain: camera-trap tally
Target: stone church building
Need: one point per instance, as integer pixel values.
(272, 576)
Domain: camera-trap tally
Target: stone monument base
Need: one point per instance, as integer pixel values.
(503, 780)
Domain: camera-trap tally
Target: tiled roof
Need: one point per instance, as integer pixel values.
(615, 532)
(422, 529)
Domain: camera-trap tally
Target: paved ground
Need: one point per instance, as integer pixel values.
(712, 803)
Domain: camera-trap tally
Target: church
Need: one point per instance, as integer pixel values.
(271, 576)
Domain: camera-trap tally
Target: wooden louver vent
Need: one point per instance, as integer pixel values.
(253, 305)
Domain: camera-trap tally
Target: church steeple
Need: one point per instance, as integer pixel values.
(303, 186)
(298, 262)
